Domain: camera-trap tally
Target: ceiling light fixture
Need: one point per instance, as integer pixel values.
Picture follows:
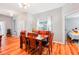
(24, 5)
(11, 13)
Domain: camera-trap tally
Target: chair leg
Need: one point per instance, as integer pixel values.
(49, 51)
(51, 48)
(21, 45)
(26, 47)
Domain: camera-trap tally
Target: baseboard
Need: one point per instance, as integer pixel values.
(58, 42)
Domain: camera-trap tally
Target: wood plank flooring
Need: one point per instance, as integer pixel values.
(13, 48)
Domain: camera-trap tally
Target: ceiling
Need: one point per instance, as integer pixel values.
(73, 15)
(9, 8)
(42, 7)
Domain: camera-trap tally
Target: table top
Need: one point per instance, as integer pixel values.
(39, 37)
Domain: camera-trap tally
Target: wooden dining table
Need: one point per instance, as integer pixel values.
(39, 38)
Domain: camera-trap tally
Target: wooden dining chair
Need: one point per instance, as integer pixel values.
(45, 40)
(48, 44)
(33, 47)
(51, 35)
(22, 38)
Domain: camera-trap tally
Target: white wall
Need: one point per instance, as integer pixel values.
(30, 22)
(70, 8)
(72, 23)
(7, 21)
(20, 23)
(56, 17)
(24, 22)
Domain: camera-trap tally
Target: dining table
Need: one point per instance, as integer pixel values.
(39, 38)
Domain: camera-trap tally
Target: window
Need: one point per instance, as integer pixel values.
(44, 24)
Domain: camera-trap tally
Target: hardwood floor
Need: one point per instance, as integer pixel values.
(13, 48)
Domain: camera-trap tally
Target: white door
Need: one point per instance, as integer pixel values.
(2, 32)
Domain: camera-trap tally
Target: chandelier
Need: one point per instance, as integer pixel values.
(24, 5)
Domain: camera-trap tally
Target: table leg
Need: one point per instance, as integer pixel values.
(40, 47)
(21, 43)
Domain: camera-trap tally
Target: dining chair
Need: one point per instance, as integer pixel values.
(51, 35)
(45, 40)
(33, 47)
(22, 38)
(48, 43)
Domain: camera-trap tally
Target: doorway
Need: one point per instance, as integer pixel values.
(72, 28)
(2, 32)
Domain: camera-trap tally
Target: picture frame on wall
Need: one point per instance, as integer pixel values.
(44, 24)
